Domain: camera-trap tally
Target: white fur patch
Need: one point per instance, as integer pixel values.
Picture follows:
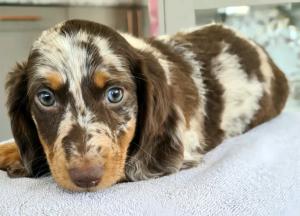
(164, 38)
(7, 141)
(143, 46)
(241, 93)
(86, 118)
(193, 140)
(265, 66)
(109, 57)
(192, 137)
(64, 128)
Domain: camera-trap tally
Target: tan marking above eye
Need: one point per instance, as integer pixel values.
(55, 80)
(100, 78)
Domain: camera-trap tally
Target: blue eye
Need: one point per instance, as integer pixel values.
(114, 95)
(46, 97)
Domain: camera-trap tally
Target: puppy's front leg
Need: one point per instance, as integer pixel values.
(11, 161)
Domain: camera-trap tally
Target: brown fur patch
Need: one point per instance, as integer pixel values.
(183, 89)
(23, 127)
(100, 78)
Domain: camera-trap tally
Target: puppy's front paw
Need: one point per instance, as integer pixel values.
(10, 160)
(16, 170)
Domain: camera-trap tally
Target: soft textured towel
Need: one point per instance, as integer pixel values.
(257, 173)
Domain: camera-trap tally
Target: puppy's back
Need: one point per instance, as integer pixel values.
(243, 87)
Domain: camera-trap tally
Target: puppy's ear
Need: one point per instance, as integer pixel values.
(156, 149)
(22, 125)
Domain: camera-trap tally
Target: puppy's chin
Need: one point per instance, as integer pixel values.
(68, 185)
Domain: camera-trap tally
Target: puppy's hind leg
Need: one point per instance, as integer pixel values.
(11, 161)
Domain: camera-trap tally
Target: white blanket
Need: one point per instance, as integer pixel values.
(257, 173)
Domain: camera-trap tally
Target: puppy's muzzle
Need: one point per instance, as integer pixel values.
(86, 176)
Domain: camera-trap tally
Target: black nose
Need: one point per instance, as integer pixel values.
(86, 177)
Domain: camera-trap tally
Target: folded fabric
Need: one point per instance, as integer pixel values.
(257, 173)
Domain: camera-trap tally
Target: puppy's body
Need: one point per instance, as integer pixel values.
(221, 85)
(184, 94)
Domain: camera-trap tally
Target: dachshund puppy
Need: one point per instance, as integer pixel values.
(94, 106)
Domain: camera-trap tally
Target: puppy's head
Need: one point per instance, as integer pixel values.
(75, 101)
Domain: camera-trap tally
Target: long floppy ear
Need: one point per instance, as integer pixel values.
(156, 149)
(22, 125)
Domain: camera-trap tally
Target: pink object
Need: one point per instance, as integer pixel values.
(153, 12)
